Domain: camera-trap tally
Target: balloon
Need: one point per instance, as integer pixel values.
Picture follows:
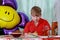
(24, 20)
(11, 3)
(9, 18)
(10, 31)
(5, 23)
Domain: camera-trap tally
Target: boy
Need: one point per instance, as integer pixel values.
(37, 26)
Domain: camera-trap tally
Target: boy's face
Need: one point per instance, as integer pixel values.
(35, 16)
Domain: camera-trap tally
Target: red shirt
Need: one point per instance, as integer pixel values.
(41, 28)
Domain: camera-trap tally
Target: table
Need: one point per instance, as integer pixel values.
(37, 38)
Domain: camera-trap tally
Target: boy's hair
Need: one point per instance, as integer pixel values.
(37, 9)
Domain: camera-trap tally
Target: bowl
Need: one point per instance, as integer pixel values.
(16, 35)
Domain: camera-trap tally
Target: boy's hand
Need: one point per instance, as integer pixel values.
(31, 34)
(35, 33)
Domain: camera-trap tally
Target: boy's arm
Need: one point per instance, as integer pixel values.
(47, 29)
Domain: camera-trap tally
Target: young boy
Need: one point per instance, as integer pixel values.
(37, 26)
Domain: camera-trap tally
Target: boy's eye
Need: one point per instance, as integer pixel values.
(37, 15)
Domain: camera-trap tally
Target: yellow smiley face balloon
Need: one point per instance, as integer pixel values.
(9, 18)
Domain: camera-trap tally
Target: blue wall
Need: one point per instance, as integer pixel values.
(47, 7)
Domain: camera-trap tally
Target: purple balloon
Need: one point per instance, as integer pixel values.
(6, 31)
(11, 3)
(24, 19)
